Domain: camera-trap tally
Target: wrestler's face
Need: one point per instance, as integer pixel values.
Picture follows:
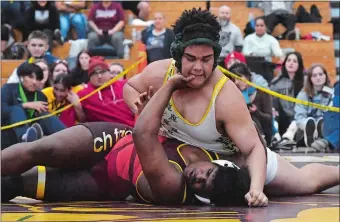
(198, 60)
(200, 176)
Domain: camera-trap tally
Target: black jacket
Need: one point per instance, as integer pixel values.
(10, 97)
(52, 23)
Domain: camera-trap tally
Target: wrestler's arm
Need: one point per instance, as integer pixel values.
(165, 181)
(152, 75)
(241, 129)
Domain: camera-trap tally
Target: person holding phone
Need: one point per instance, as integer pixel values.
(106, 20)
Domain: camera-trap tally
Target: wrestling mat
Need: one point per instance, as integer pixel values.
(322, 207)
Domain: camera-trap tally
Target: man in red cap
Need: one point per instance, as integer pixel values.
(107, 105)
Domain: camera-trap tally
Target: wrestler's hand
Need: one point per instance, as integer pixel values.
(178, 81)
(256, 198)
(142, 100)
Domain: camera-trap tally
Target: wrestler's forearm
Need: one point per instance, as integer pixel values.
(256, 161)
(130, 94)
(150, 118)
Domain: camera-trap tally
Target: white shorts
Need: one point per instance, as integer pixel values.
(272, 165)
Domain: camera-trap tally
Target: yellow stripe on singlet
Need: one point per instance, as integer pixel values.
(216, 91)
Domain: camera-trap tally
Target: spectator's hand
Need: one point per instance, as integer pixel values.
(8, 26)
(38, 106)
(100, 32)
(73, 98)
(275, 113)
(142, 100)
(111, 32)
(256, 198)
(252, 108)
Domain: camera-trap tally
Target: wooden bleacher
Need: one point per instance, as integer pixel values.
(313, 52)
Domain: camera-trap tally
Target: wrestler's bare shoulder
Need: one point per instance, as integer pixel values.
(152, 75)
(229, 99)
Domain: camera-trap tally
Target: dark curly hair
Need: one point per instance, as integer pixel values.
(230, 186)
(195, 21)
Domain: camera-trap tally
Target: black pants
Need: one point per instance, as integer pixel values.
(287, 20)
(4, 33)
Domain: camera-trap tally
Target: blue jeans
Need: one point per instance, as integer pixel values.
(78, 20)
(49, 125)
(331, 120)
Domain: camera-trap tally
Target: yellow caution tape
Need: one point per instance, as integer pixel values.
(281, 96)
(81, 99)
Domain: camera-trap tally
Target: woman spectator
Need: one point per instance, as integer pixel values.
(44, 67)
(289, 82)
(70, 14)
(106, 20)
(309, 119)
(44, 16)
(61, 95)
(23, 101)
(57, 68)
(260, 43)
(116, 68)
(259, 103)
(158, 39)
(80, 74)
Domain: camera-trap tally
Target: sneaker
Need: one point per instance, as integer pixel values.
(30, 135)
(319, 128)
(309, 132)
(291, 35)
(37, 127)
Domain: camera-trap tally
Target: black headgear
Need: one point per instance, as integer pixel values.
(193, 35)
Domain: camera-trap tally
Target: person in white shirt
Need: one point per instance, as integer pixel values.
(280, 12)
(260, 43)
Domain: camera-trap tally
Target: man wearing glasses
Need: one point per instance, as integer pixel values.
(107, 105)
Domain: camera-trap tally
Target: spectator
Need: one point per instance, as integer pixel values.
(260, 43)
(44, 67)
(331, 130)
(236, 57)
(289, 82)
(309, 119)
(11, 18)
(106, 19)
(57, 68)
(61, 95)
(231, 37)
(107, 104)
(279, 12)
(70, 14)
(115, 69)
(80, 73)
(44, 16)
(259, 103)
(22, 101)
(158, 39)
(140, 8)
(37, 47)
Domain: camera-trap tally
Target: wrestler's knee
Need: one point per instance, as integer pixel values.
(40, 150)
